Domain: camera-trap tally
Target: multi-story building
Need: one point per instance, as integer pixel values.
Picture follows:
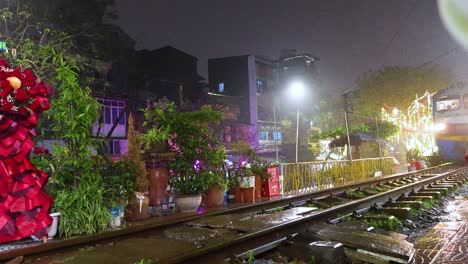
(255, 82)
(137, 77)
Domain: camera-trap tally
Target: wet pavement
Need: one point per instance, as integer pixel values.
(447, 241)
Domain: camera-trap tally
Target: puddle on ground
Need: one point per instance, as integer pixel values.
(441, 243)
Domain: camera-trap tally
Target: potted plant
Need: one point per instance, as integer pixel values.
(216, 184)
(259, 169)
(44, 161)
(138, 202)
(194, 145)
(189, 189)
(118, 178)
(233, 183)
(247, 183)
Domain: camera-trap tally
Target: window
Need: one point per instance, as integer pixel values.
(113, 147)
(111, 110)
(465, 101)
(277, 136)
(221, 87)
(260, 85)
(447, 103)
(262, 135)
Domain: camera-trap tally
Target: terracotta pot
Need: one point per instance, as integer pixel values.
(135, 212)
(248, 194)
(214, 197)
(158, 180)
(258, 187)
(187, 203)
(239, 197)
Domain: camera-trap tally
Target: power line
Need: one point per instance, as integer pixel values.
(397, 32)
(440, 56)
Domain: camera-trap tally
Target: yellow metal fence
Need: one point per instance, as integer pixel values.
(310, 176)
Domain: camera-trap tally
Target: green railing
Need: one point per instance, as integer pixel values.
(310, 176)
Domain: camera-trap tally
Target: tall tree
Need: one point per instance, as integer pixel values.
(73, 28)
(397, 87)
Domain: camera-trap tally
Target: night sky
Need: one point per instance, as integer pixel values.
(350, 36)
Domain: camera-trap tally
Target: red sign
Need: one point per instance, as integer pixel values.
(271, 187)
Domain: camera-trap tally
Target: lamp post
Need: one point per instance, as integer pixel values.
(297, 91)
(278, 64)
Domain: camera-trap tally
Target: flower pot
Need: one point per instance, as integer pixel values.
(158, 186)
(52, 229)
(238, 195)
(247, 182)
(258, 187)
(188, 203)
(248, 194)
(116, 219)
(231, 196)
(214, 197)
(137, 208)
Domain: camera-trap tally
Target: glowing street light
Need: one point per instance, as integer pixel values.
(296, 91)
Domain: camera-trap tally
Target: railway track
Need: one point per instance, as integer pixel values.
(216, 237)
(405, 190)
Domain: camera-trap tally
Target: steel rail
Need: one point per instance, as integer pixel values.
(300, 198)
(218, 253)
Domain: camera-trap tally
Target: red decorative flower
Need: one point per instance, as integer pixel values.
(6, 88)
(23, 110)
(16, 73)
(6, 105)
(39, 151)
(21, 96)
(29, 78)
(3, 62)
(18, 99)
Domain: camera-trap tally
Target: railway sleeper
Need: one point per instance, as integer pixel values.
(443, 191)
(451, 187)
(399, 212)
(435, 195)
(416, 205)
(459, 183)
(422, 198)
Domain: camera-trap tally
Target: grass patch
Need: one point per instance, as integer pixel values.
(389, 223)
(428, 204)
(346, 218)
(277, 210)
(355, 194)
(383, 188)
(313, 205)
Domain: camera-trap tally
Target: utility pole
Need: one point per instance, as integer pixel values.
(347, 106)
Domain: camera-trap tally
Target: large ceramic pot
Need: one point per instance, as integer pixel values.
(187, 203)
(137, 208)
(214, 197)
(52, 229)
(158, 186)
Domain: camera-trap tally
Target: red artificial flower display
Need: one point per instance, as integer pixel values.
(24, 205)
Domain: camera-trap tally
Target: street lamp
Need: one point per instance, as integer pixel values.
(296, 91)
(297, 88)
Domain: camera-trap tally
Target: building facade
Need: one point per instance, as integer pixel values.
(257, 84)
